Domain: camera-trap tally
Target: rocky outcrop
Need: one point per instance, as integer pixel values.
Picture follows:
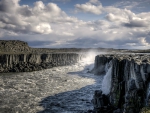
(126, 83)
(14, 46)
(34, 62)
(17, 56)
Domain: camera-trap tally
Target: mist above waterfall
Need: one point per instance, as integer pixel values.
(88, 61)
(89, 58)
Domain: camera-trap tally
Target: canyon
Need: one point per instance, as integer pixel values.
(17, 56)
(35, 62)
(112, 83)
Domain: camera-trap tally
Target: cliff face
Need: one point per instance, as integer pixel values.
(125, 84)
(17, 56)
(33, 62)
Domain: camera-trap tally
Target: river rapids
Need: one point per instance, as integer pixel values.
(66, 89)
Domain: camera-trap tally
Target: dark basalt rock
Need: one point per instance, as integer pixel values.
(17, 56)
(130, 79)
(35, 62)
(102, 103)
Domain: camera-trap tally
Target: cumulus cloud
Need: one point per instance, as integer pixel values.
(127, 18)
(93, 6)
(95, 2)
(127, 4)
(24, 19)
(121, 29)
(137, 22)
(9, 6)
(112, 17)
(46, 25)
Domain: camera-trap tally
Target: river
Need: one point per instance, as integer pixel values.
(66, 89)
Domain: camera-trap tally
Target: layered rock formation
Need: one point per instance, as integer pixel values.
(34, 62)
(17, 56)
(126, 83)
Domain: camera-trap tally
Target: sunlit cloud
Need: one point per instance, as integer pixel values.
(117, 27)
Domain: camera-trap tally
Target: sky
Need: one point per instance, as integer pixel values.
(119, 24)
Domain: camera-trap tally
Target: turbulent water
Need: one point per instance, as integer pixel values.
(67, 89)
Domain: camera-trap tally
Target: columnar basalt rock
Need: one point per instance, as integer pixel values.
(130, 77)
(34, 62)
(17, 56)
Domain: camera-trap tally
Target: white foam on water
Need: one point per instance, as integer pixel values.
(106, 83)
(70, 85)
(24, 91)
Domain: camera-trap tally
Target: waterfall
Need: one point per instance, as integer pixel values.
(106, 83)
(133, 74)
(142, 73)
(148, 95)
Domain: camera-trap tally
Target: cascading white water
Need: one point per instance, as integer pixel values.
(106, 83)
(133, 74)
(142, 73)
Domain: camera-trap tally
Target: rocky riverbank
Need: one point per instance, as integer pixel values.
(125, 87)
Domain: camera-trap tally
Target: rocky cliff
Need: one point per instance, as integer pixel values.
(34, 62)
(126, 83)
(17, 56)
